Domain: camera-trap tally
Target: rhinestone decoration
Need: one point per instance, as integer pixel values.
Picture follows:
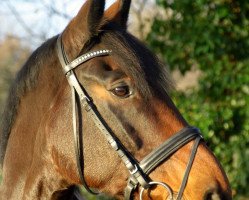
(75, 63)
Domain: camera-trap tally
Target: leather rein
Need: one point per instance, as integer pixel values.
(139, 171)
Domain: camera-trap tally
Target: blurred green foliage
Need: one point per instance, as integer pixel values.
(212, 36)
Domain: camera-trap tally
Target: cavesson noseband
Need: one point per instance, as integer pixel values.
(139, 171)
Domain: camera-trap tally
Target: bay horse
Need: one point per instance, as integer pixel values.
(91, 107)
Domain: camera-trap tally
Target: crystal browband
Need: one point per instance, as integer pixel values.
(85, 57)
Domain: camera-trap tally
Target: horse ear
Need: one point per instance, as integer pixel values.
(118, 12)
(84, 25)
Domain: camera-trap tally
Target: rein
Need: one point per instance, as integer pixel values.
(139, 171)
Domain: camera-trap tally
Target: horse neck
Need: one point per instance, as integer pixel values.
(28, 135)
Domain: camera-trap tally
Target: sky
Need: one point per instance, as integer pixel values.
(35, 15)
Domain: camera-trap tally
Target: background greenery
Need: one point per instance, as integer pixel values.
(212, 37)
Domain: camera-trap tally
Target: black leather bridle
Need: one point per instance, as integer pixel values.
(139, 171)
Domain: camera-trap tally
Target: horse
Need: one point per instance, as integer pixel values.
(91, 107)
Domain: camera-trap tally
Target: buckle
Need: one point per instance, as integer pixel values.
(86, 102)
(134, 170)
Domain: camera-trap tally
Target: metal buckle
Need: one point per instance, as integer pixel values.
(114, 144)
(133, 171)
(86, 102)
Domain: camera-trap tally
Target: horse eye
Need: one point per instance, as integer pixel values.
(121, 91)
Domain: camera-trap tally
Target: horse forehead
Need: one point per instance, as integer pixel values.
(107, 62)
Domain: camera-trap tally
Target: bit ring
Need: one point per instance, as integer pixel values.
(157, 183)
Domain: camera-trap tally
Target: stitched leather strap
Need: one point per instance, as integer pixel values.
(170, 146)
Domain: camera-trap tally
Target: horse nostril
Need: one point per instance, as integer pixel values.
(212, 195)
(217, 195)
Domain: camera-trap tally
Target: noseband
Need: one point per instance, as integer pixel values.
(139, 171)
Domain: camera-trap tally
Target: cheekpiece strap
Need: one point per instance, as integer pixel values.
(77, 88)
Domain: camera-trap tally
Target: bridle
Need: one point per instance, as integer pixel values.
(139, 171)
